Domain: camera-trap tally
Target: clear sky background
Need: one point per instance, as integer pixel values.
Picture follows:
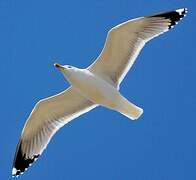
(102, 144)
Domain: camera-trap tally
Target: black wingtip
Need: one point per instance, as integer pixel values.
(21, 162)
(173, 16)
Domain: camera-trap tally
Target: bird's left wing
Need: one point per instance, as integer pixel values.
(46, 118)
(125, 41)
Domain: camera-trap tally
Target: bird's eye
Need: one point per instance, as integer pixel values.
(69, 66)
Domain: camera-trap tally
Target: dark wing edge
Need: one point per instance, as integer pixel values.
(21, 163)
(173, 16)
(46, 118)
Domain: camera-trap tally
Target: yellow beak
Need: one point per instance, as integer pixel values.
(59, 66)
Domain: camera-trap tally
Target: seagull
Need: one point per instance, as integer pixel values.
(96, 85)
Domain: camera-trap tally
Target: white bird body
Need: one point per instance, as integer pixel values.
(96, 85)
(93, 87)
(100, 92)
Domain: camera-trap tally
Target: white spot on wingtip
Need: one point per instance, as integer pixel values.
(182, 11)
(14, 171)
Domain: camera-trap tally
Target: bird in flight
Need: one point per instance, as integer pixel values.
(96, 85)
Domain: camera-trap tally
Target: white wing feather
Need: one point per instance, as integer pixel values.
(48, 116)
(125, 41)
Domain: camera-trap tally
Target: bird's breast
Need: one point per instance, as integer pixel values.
(94, 88)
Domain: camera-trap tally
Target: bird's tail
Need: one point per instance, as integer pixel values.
(128, 109)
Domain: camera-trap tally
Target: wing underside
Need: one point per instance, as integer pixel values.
(125, 41)
(48, 116)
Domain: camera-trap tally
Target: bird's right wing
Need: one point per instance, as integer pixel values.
(125, 41)
(46, 118)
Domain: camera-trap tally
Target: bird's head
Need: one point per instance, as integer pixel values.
(63, 68)
(67, 70)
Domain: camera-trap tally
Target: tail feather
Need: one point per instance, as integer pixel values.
(132, 111)
(128, 109)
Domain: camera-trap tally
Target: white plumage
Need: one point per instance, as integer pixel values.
(96, 85)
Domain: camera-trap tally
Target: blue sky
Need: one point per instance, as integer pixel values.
(101, 144)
